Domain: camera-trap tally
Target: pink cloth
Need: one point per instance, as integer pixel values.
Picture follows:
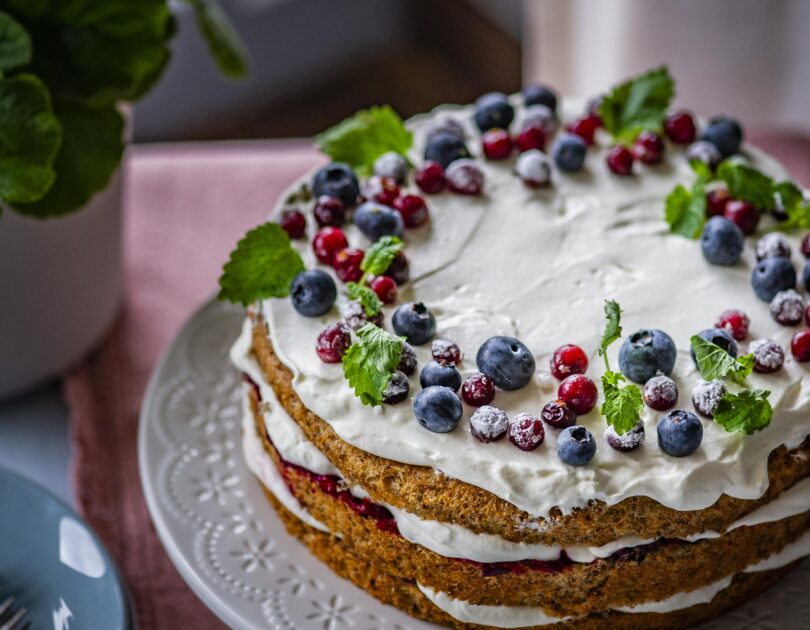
(185, 208)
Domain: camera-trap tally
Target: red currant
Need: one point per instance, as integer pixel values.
(578, 392)
(347, 264)
(743, 214)
(413, 210)
(293, 222)
(585, 127)
(567, 360)
(648, 148)
(328, 242)
(716, 201)
(800, 346)
(385, 288)
(333, 342)
(478, 390)
(497, 144)
(620, 160)
(680, 127)
(532, 137)
(430, 178)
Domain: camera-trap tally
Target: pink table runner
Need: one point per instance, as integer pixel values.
(186, 207)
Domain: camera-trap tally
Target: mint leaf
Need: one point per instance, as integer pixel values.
(369, 363)
(748, 184)
(714, 363)
(263, 265)
(702, 170)
(379, 256)
(747, 411)
(364, 137)
(15, 43)
(613, 328)
(223, 42)
(685, 210)
(622, 406)
(637, 105)
(368, 299)
(791, 199)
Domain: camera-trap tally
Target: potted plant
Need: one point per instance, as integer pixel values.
(67, 70)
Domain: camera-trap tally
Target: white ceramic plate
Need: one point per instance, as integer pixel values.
(228, 543)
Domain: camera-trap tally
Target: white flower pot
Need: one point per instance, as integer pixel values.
(60, 287)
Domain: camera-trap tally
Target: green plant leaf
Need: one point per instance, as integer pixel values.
(31, 136)
(748, 411)
(368, 299)
(714, 363)
(263, 265)
(226, 48)
(379, 256)
(685, 210)
(622, 406)
(15, 43)
(92, 146)
(369, 363)
(748, 184)
(613, 328)
(637, 105)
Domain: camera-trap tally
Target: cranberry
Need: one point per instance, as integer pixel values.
(347, 264)
(478, 390)
(805, 246)
(567, 360)
(585, 127)
(497, 144)
(716, 201)
(800, 346)
(381, 189)
(648, 148)
(333, 342)
(399, 269)
(488, 424)
(465, 177)
(354, 316)
(385, 288)
(735, 322)
(445, 352)
(680, 127)
(413, 210)
(531, 137)
(787, 308)
(743, 214)
(768, 355)
(578, 392)
(558, 414)
(620, 160)
(526, 432)
(660, 393)
(430, 178)
(328, 242)
(293, 222)
(329, 211)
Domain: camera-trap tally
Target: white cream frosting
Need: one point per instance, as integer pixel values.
(539, 265)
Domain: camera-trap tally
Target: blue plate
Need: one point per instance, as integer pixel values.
(53, 564)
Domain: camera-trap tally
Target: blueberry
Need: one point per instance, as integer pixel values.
(569, 153)
(705, 152)
(445, 148)
(719, 337)
(576, 446)
(507, 361)
(540, 95)
(771, 276)
(721, 241)
(435, 373)
(437, 409)
(493, 110)
(392, 165)
(415, 322)
(645, 353)
(806, 275)
(397, 389)
(725, 133)
(313, 292)
(679, 433)
(336, 180)
(376, 220)
(407, 360)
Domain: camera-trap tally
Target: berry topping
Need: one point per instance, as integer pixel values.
(385, 288)
(415, 322)
(445, 351)
(743, 214)
(771, 276)
(430, 178)
(497, 144)
(706, 396)
(336, 180)
(507, 361)
(445, 148)
(805, 246)
(465, 177)
(725, 133)
(629, 441)
(488, 424)
(648, 148)
(376, 220)
(347, 264)
(333, 342)
(773, 245)
(354, 316)
(540, 95)
(680, 433)
(576, 446)
(397, 389)
(569, 153)
(721, 241)
(734, 322)
(567, 360)
(329, 211)
(493, 110)
(542, 116)
(716, 201)
(719, 337)
(646, 353)
(558, 414)
(380, 189)
(313, 293)
(706, 152)
(768, 355)
(435, 373)
(446, 125)
(806, 276)
(787, 308)
(585, 128)
(407, 360)
(660, 393)
(531, 137)
(393, 166)
(534, 168)
(526, 431)
(680, 127)
(328, 242)
(578, 392)
(399, 269)
(293, 222)
(620, 160)
(800, 346)
(437, 409)
(478, 390)
(413, 210)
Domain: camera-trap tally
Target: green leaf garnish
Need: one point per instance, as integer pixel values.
(748, 184)
(702, 170)
(263, 265)
(224, 44)
(368, 299)
(15, 43)
(622, 406)
(379, 256)
(748, 410)
(792, 200)
(637, 105)
(364, 137)
(714, 363)
(369, 363)
(685, 210)
(613, 328)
